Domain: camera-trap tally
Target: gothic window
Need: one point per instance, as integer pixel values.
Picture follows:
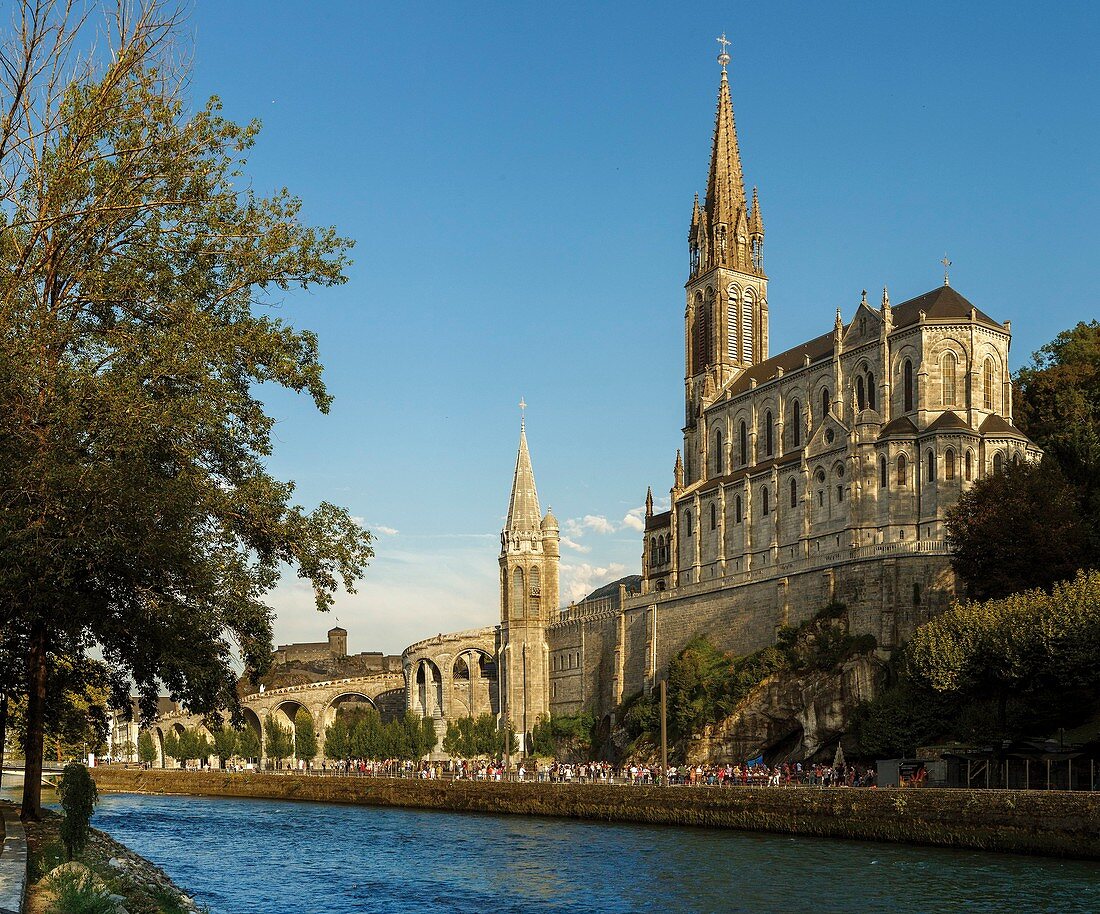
(687, 522)
(713, 517)
(907, 382)
(949, 464)
(737, 509)
(839, 494)
(654, 554)
(871, 391)
(882, 472)
(731, 323)
(719, 457)
(861, 401)
(535, 582)
(744, 443)
(794, 493)
(948, 375)
(824, 402)
(968, 465)
(903, 471)
(916, 594)
(987, 384)
(796, 420)
(930, 459)
(746, 326)
(998, 462)
(518, 593)
(701, 352)
(769, 446)
(764, 506)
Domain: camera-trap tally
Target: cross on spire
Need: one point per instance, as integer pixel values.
(946, 265)
(522, 412)
(723, 57)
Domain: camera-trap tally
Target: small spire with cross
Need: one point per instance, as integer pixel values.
(723, 57)
(522, 413)
(946, 266)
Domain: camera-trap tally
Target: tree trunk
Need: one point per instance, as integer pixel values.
(36, 710)
(3, 732)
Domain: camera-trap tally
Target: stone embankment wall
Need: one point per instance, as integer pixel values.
(1034, 822)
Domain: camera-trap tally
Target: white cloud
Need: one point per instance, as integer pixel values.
(570, 543)
(578, 581)
(597, 523)
(634, 519)
(382, 528)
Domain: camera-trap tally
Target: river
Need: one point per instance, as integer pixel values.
(260, 856)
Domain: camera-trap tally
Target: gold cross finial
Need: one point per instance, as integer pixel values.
(946, 265)
(522, 413)
(723, 57)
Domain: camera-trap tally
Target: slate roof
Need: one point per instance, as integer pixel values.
(995, 426)
(949, 421)
(658, 521)
(902, 425)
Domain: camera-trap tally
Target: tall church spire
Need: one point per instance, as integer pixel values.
(524, 514)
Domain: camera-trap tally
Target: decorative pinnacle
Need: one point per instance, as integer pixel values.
(946, 265)
(885, 298)
(723, 57)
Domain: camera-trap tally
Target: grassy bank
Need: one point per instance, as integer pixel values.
(1055, 824)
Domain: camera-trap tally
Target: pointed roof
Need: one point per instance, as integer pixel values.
(949, 421)
(725, 182)
(524, 514)
(941, 303)
(997, 427)
(756, 221)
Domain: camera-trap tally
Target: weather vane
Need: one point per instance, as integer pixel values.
(724, 57)
(946, 264)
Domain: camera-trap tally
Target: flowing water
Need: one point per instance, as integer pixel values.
(260, 857)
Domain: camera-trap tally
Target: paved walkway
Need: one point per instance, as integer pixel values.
(13, 862)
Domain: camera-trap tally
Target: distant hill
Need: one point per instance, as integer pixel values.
(633, 584)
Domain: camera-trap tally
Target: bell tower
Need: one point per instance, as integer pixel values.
(529, 557)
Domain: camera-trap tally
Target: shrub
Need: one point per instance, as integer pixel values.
(78, 795)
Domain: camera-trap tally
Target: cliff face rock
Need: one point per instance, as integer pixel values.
(791, 716)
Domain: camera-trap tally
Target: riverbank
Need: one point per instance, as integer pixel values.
(1059, 824)
(131, 883)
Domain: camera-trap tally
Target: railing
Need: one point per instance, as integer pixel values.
(589, 609)
(766, 572)
(471, 633)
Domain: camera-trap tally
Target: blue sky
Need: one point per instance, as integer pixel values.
(518, 179)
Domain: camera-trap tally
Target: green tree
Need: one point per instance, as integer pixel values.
(172, 745)
(136, 264)
(336, 740)
(305, 735)
(78, 795)
(226, 743)
(147, 749)
(1017, 530)
(279, 740)
(248, 743)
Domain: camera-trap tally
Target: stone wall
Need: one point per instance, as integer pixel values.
(1035, 822)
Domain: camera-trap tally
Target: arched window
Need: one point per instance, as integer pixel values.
(713, 516)
(824, 402)
(930, 459)
(764, 507)
(731, 322)
(882, 472)
(518, 593)
(948, 373)
(968, 466)
(737, 509)
(794, 493)
(998, 462)
(654, 554)
(769, 444)
(744, 444)
(987, 384)
(687, 522)
(949, 464)
(535, 589)
(907, 383)
(719, 457)
(747, 330)
(796, 420)
(903, 470)
(861, 400)
(701, 356)
(871, 391)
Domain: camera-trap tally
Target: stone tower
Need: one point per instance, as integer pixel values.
(529, 557)
(726, 317)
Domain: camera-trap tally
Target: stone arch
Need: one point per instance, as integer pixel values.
(252, 719)
(334, 705)
(474, 683)
(158, 744)
(428, 686)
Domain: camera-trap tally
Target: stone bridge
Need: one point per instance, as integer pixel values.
(453, 675)
(385, 691)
